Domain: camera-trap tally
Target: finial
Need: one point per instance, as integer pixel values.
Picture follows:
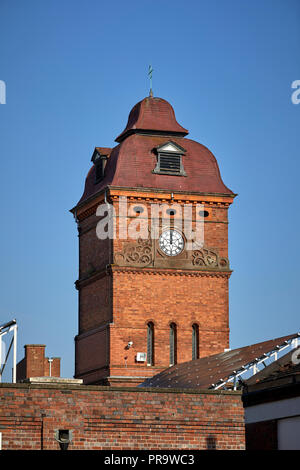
(150, 77)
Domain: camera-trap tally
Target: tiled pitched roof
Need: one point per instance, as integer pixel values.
(104, 150)
(208, 371)
(283, 368)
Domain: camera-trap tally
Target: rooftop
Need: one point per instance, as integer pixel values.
(217, 370)
(130, 164)
(152, 114)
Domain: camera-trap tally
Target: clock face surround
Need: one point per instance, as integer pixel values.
(171, 242)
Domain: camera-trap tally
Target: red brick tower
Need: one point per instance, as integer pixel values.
(149, 301)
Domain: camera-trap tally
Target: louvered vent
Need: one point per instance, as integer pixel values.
(169, 159)
(169, 162)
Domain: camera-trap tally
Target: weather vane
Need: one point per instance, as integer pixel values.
(150, 77)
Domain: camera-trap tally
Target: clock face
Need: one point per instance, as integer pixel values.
(171, 242)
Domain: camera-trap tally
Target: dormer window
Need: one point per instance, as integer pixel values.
(99, 161)
(169, 159)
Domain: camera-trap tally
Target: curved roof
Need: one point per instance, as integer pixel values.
(152, 114)
(152, 123)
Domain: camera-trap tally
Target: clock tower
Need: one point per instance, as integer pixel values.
(153, 252)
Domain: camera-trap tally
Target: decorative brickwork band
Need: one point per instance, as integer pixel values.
(209, 258)
(144, 254)
(136, 254)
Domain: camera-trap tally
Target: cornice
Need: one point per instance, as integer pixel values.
(112, 194)
(99, 274)
(170, 272)
(112, 268)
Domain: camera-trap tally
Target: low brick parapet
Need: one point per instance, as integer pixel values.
(119, 417)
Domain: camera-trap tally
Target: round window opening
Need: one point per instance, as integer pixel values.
(138, 209)
(170, 211)
(203, 213)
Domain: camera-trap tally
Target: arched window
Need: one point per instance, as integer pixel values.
(150, 344)
(195, 341)
(173, 344)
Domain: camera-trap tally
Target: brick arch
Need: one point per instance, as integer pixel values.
(150, 320)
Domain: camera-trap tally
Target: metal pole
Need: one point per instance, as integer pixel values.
(50, 360)
(9, 326)
(15, 355)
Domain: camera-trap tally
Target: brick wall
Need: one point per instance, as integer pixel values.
(164, 298)
(124, 298)
(119, 418)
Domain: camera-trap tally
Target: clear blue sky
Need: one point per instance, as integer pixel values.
(74, 69)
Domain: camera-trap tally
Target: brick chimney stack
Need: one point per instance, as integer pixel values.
(35, 364)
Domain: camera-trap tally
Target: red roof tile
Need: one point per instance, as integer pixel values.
(104, 150)
(282, 368)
